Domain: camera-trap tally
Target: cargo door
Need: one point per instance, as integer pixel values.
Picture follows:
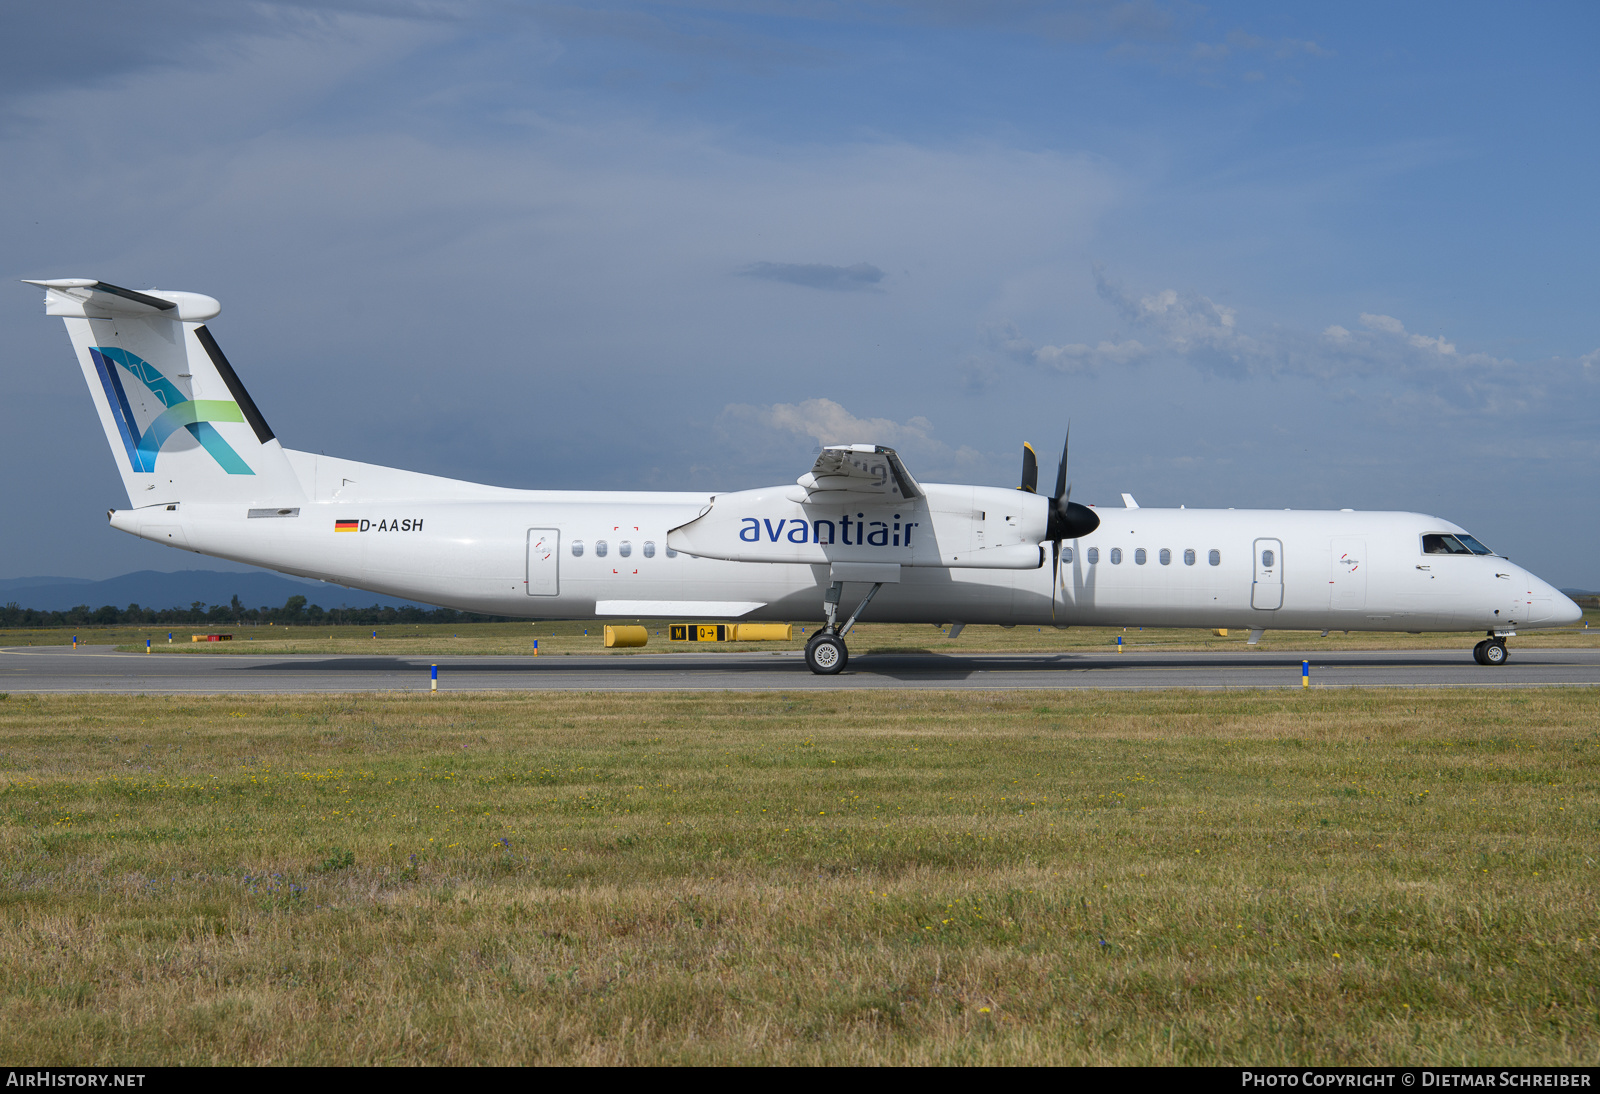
(544, 560)
(1347, 581)
(1266, 592)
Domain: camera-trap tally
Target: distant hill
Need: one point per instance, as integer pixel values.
(154, 589)
(8, 584)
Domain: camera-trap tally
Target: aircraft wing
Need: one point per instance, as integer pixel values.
(860, 469)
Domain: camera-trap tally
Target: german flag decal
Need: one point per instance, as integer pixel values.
(347, 526)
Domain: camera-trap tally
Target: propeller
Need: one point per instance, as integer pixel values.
(1030, 469)
(1068, 519)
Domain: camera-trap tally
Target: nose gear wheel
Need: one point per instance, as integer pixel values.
(1491, 652)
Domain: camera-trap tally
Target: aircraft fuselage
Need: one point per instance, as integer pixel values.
(554, 554)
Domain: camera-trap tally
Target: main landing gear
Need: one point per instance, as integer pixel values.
(826, 653)
(1491, 651)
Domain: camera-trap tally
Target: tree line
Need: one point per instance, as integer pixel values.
(294, 610)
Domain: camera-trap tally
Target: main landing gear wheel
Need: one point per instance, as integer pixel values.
(1490, 652)
(827, 655)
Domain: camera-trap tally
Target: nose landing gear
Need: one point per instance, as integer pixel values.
(1491, 651)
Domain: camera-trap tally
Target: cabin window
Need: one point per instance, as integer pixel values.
(577, 548)
(1188, 556)
(1116, 556)
(1139, 557)
(671, 553)
(1269, 559)
(649, 549)
(624, 548)
(1094, 555)
(1165, 556)
(1215, 558)
(600, 548)
(1066, 555)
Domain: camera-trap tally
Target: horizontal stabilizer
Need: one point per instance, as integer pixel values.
(86, 298)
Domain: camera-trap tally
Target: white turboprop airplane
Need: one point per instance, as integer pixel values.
(204, 473)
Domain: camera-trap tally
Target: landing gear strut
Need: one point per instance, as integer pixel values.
(826, 653)
(1491, 651)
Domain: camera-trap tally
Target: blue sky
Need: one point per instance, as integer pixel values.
(1258, 254)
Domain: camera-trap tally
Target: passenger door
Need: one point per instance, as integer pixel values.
(1266, 592)
(544, 561)
(1347, 582)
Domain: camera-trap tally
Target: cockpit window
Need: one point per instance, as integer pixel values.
(1443, 543)
(1438, 543)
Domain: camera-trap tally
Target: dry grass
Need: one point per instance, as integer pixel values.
(842, 877)
(480, 639)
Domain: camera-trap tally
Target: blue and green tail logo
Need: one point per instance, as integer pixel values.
(182, 411)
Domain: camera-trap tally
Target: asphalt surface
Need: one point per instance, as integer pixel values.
(100, 669)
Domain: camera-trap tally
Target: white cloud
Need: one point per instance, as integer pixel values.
(1396, 372)
(772, 436)
(1386, 323)
(1193, 326)
(826, 422)
(1079, 355)
(1072, 357)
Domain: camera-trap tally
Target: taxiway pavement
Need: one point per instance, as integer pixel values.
(100, 669)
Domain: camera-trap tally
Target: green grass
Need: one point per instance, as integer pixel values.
(1364, 877)
(490, 639)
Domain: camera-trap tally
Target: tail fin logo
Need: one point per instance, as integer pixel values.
(195, 415)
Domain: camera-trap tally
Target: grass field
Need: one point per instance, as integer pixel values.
(841, 877)
(561, 638)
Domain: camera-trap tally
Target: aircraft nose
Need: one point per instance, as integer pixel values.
(1566, 610)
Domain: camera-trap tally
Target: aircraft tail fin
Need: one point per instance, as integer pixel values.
(181, 426)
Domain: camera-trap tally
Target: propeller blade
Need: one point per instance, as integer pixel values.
(1061, 471)
(1068, 520)
(1030, 469)
(1055, 572)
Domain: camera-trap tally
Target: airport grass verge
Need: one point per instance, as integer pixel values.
(1360, 877)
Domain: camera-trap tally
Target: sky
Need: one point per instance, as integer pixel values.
(1257, 255)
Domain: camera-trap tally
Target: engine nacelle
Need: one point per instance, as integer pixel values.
(950, 526)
